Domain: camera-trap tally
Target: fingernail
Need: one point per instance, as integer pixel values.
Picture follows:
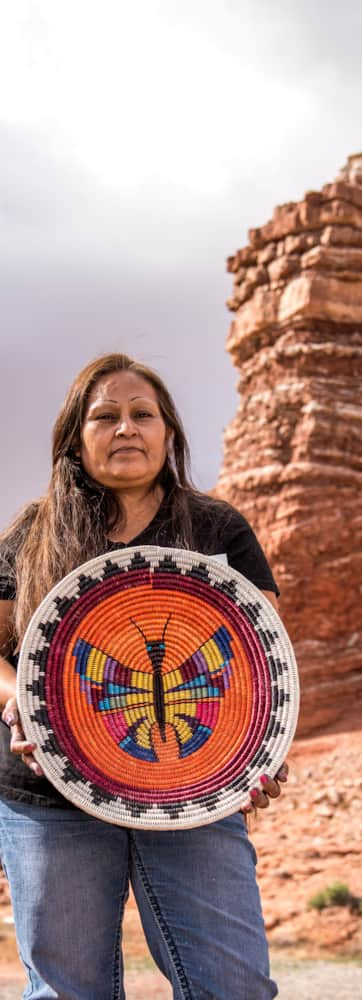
(10, 719)
(254, 793)
(264, 779)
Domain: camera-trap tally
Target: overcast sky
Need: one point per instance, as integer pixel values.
(139, 140)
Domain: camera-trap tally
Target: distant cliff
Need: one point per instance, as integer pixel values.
(293, 453)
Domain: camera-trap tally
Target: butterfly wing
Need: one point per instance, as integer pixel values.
(123, 696)
(193, 691)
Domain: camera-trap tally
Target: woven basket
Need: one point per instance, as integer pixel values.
(159, 685)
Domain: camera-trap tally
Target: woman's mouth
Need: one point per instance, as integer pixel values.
(126, 451)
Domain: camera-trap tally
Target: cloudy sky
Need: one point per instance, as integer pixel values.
(139, 140)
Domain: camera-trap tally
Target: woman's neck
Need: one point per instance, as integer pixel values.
(139, 508)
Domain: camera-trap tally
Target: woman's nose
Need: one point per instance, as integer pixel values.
(125, 426)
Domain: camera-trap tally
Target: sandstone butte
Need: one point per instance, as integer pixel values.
(292, 454)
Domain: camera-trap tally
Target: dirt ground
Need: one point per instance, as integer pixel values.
(297, 979)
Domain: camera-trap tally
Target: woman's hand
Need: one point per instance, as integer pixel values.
(271, 789)
(18, 743)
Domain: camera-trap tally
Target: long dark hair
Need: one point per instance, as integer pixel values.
(69, 525)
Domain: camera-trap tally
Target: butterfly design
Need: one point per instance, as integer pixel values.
(136, 703)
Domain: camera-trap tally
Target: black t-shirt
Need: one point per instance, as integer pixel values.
(218, 530)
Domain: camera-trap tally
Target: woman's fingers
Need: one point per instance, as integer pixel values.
(10, 714)
(270, 786)
(259, 797)
(32, 764)
(18, 743)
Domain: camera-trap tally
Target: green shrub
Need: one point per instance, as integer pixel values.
(337, 894)
(318, 902)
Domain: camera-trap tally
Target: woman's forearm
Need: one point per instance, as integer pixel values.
(7, 681)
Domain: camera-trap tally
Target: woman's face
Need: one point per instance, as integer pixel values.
(124, 436)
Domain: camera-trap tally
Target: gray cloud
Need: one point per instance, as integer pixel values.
(85, 268)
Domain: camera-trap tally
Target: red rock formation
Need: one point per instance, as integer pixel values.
(292, 460)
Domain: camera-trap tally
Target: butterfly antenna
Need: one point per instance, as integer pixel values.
(165, 627)
(139, 629)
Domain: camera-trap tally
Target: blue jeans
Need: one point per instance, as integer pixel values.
(195, 890)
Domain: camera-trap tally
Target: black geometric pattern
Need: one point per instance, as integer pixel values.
(238, 594)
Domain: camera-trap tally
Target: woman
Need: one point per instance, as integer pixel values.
(119, 478)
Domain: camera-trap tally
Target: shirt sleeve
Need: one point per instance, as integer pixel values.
(245, 554)
(10, 545)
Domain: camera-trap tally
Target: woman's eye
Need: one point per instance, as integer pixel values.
(138, 415)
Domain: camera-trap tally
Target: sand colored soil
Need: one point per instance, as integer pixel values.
(309, 839)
